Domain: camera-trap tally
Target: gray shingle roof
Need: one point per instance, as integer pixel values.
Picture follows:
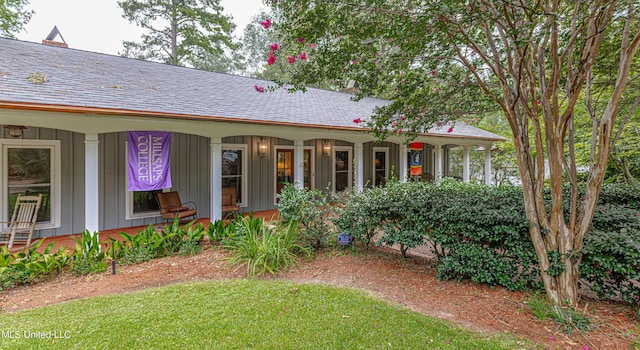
(87, 79)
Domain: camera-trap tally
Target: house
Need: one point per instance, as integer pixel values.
(65, 115)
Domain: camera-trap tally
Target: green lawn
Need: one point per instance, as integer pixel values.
(238, 314)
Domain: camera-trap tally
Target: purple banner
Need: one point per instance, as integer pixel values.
(148, 158)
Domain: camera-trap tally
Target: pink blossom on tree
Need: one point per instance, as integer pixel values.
(272, 59)
(266, 24)
(258, 88)
(303, 56)
(274, 47)
(291, 59)
(357, 120)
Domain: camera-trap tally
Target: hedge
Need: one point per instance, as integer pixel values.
(481, 232)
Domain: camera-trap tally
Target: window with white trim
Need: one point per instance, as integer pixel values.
(342, 169)
(380, 165)
(234, 170)
(31, 167)
(140, 204)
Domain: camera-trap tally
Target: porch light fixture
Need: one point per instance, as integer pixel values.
(14, 130)
(262, 148)
(326, 148)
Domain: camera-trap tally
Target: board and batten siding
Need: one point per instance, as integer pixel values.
(189, 176)
(394, 160)
(71, 182)
(190, 172)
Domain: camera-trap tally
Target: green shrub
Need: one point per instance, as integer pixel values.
(311, 208)
(149, 244)
(29, 265)
(88, 256)
(481, 233)
(16, 275)
(611, 254)
(264, 248)
(360, 214)
(401, 214)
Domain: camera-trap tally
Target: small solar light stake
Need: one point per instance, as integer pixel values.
(113, 266)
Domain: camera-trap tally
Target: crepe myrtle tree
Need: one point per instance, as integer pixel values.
(440, 61)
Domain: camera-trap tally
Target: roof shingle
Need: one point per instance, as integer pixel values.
(86, 79)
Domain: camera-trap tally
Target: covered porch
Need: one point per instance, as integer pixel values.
(88, 178)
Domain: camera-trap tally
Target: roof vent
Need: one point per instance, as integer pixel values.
(50, 40)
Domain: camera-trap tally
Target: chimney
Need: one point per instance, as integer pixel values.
(50, 40)
(351, 88)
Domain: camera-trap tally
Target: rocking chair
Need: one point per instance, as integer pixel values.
(171, 207)
(23, 221)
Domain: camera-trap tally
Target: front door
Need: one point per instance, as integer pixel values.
(284, 168)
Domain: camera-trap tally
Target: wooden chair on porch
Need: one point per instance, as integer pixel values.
(171, 207)
(229, 200)
(23, 221)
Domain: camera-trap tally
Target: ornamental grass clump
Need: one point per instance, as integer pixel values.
(264, 247)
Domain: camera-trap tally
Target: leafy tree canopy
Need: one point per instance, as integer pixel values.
(13, 17)
(535, 61)
(183, 32)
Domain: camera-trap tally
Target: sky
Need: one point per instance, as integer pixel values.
(97, 25)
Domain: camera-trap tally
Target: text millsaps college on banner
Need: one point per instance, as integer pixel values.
(148, 160)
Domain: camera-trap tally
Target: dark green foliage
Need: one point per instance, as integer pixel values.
(218, 231)
(309, 207)
(611, 262)
(187, 32)
(88, 256)
(481, 233)
(361, 214)
(29, 265)
(150, 244)
(611, 253)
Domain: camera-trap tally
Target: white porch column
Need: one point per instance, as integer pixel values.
(215, 202)
(91, 184)
(465, 163)
(402, 169)
(359, 155)
(437, 162)
(487, 165)
(298, 163)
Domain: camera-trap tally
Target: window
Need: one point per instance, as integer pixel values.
(284, 169)
(32, 167)
(140, 204)
(234, 170)
(342, 175)
(308, 168)
(380, 165)
(285, 173)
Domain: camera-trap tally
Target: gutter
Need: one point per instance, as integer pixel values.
(41, 107)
